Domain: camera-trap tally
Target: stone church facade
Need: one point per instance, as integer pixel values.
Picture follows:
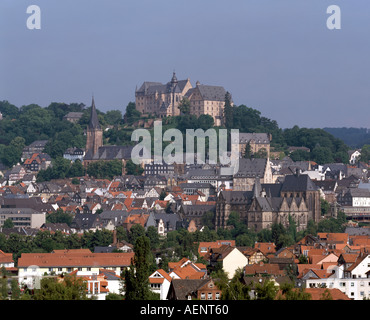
(297, 198)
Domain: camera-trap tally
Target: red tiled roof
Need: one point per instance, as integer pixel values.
(317, 293)
(265, 247)
(6, 257)
(61, 258)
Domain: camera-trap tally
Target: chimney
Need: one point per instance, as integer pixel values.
(114, 237)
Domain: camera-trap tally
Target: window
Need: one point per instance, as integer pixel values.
(209, 296)
(202, 296)
(217, 296)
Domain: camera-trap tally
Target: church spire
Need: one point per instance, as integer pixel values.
(94, 121)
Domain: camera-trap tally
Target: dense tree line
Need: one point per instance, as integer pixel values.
(353, 137)
(21, 126)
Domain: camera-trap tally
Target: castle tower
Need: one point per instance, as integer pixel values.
(94, 134)
(174, 83)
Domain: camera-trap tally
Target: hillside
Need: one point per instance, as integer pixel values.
(353, 137)
(21, 126)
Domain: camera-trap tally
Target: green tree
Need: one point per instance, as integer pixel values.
(326, 295)
(3, 283)
(8, 110)
(113, 117)
(136, 231)
(12, 153)
(16, 291)
(266, 290)
(228, 112)
(105, 169)
(76, 169)
(8, 224)
(133, 169)
(325, 207)
(235, 289)
(59, 217)
(137, 276)
(184, 106)
(248, 151)
(153, 237)
(131, 114)
(288, 292)
(205, 122)
(72, 288)
(365, 153)
(322, 155)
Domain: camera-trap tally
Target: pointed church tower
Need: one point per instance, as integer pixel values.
(94, 134)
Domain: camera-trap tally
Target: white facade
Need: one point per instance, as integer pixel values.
(159, 284)
(233, 261)
(356, 289)
(355, 283)
(361, 202)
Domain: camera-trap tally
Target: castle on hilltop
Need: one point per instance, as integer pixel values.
(164, 99)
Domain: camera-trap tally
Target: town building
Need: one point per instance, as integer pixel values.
(256, 142)
(23, 217)
(297, 197)
(164, 99)
(32, 265)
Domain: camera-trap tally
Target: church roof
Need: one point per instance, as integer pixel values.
(299, 183)
(94, 121)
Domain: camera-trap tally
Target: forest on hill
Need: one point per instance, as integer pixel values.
(353, 137)
(21, 126)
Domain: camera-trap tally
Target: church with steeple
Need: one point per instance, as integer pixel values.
(96, 151)
(94, 133)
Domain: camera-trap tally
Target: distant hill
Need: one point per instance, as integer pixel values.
(352, 137)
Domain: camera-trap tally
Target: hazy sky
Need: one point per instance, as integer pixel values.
(276, 56)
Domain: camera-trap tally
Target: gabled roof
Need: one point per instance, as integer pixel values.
(251, 168)
(317, 293)
(263, 268)
(359, 259)
(161, 274)
(298, 183)
(182, 288)
(265, 247)
(6, 257)
(213, 93)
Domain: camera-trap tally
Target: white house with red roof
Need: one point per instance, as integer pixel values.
(6, 260)
(160, 282)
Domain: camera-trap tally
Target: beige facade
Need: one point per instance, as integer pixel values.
(249, 171)
(164, 99)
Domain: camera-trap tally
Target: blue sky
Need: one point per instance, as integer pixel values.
(276, 56)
